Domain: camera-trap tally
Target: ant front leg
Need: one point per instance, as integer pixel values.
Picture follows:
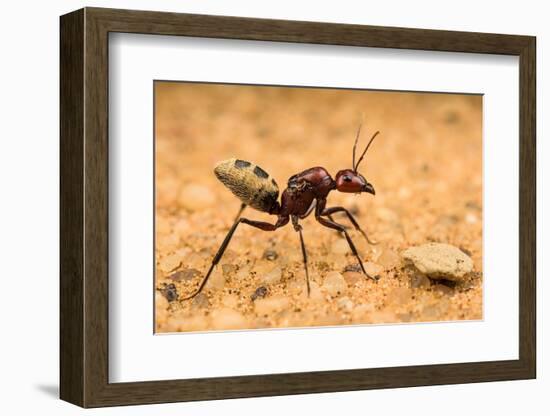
(328, 211)
(265, 226)
(342, 229)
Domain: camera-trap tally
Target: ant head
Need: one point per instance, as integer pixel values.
(351, 181)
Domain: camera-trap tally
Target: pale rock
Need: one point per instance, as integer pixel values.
(439, 261)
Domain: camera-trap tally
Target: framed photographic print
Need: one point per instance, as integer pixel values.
(255, 207)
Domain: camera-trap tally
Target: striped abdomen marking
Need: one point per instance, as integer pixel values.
(248, 182)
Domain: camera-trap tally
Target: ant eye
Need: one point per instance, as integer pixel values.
(347, 178)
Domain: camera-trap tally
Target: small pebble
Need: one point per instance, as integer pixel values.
(170, 263)
(160, 302)
(259, 293)
(352, 278)
(194, 197)
(229, 269)
(352, 268)
(270, 255)
(430, 312)
(345, 303)
(243, 272)
(273, 276)
(382, 317)
(200, 301)
(216, 280)
(170, 292)
(373, 269)
(443, 289)
(315, 293)
(439, 261)
(420, 281)
(268, 306)
(334, 283)
(471, 218)
(185, 275)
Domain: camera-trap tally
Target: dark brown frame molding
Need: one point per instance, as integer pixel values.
(84, 207)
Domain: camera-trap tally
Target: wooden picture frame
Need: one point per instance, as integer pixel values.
(84, 207)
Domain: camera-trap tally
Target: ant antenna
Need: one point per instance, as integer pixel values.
(364, 152)
(355, 144)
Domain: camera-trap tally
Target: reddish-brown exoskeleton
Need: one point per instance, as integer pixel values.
(306, 192)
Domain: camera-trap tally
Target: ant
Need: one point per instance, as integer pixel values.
(306, 192)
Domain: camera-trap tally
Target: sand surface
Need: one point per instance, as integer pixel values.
(426, 167)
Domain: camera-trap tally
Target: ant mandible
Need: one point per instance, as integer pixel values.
(305, 192)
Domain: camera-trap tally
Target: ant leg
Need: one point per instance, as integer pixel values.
(298, 228)
(243, 206)
(332, 219)
(258, 224)
(352, 219)
(340, 227)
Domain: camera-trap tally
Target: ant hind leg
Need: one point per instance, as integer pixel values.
(241, 209)
(265, 226)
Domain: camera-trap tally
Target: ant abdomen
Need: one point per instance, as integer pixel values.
(248, 182)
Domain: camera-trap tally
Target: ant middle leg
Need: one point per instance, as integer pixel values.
(329, 211)
(265, 226)
(342, 229)
(298, 228)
